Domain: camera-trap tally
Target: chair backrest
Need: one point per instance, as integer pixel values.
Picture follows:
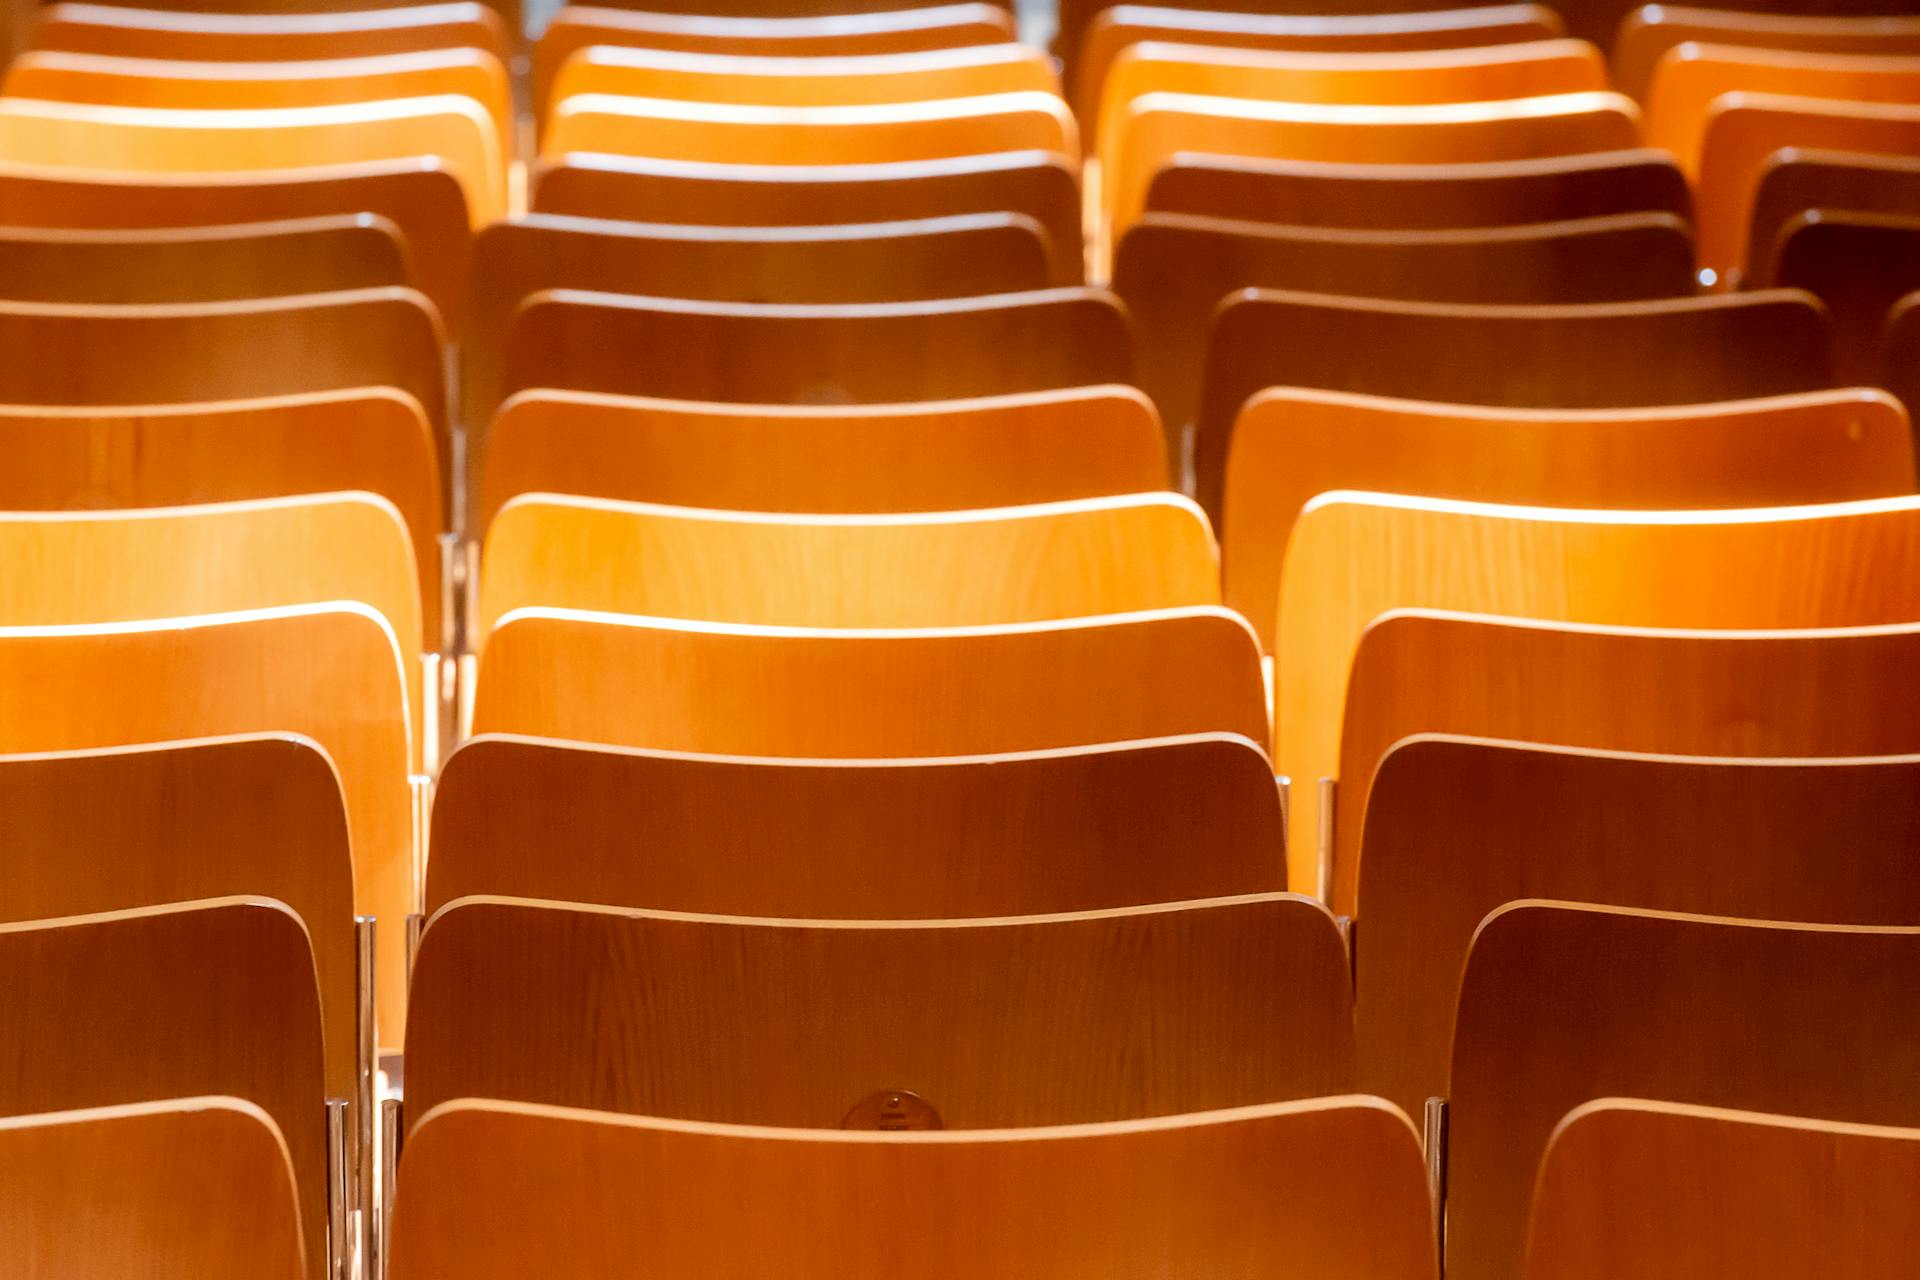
(1578, 356)
(136, 32)
(942, 455)
(106, 1191)
(1706, 1189)
(868, 353)
(951, 257)
(1355, 557)
(449, 127)
(1259, 1192)
(1797, 180)
(1597, 1002)
(330, 673)
(1039, 184)
(122, 827)
(215, 997)
(1457, 826)
(1013, 1021)
(932, 569)
(1174, 270)
(1018, 833)
(1859, 265)
(1899, 348)
(1292, 444)
(1650, 31)
(837, 693)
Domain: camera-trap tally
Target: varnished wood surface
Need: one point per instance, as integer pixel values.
(154, 32)
(211, 997)
(1859, 265)
(1174, 270)
(1650, 31)
(786, 692)
(1041, 185)
(950, 257)
(1267, 1192)
(1560, 1005)
(934, 569)
(1662, 1190)
(417, 194)
(1457, 826)
(1795, 180)
(1354, 557)
(944, 837)
(1421, 197)
(880, 353)
(188, 1189)
(995, 451)
(1900, 350)
(1291, 444)
(1589, 356)
(1013, 1021)
(330, 673)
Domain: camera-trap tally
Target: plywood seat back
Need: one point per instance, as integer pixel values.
(1651, 31)
(190, 36)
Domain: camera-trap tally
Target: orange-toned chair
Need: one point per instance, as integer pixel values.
(1651, 30)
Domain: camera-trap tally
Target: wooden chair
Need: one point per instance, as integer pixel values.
(201, 264)
(417, 195)
(1596, 356)
(943, 455)
(1174, 270)
(1808, 1020)
(1293, 444)
(706, 132)
(1112, 30)
(1022, 1020)
(1421, 197)
(834, 693)
(1040, 185)
(1797, 181)
(935, 569)
(1354, 557)
(1900, 350)
(454, 129)
(1158, 127)
(115, 81)
(1164, 820)
(1649, 32)
(1457, 826)
(190, 1187)
(1690, 79)
(215, 997)
(1666, 1190)
(952, 257)
(330, 673)
(880, 353)
(1859, 265)
(903, 30)
(157, 32)
(1267, 1191)
(1745, 130)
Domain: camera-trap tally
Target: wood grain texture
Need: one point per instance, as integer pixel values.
(879, 353)
(1175, 270)
(1066, 1019)
(943, 455)
(1040, 185)
(1292, 444)
(1589, 356)
(1662, 1190)
(454, 129)
(1355, 557)
(952, 257)
(784, 692)
(1650, 31)
(904, 30)
(189, 1189)
(1457, 826)
(1159, 126)
(1109, 32)
(330, 673)
(1421, 197)
(1859, 265)
(215, 997)
(418, 195)
(1562, 1004)
(1018, 833)
(935, 569)
(1258, 1192)
(155, 32)
(125, 827)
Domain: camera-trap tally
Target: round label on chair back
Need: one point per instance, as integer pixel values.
(892, 1109)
